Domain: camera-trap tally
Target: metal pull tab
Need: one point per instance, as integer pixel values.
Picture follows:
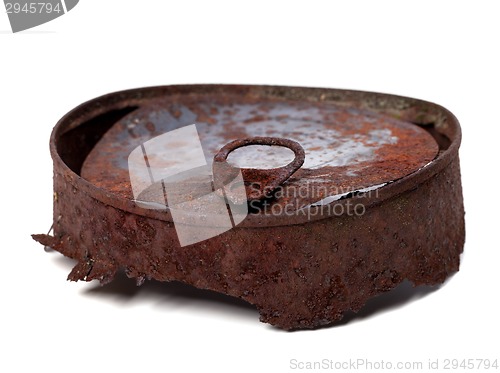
(259, 183)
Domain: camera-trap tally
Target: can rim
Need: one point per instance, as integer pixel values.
(419, 112)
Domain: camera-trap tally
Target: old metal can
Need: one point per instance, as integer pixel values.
(345, 194)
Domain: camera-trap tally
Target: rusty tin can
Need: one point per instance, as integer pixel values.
(346, 195)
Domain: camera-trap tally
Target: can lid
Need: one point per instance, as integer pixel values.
(347, 149)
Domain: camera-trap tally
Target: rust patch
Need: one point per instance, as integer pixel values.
(346, 148)
(259, 183)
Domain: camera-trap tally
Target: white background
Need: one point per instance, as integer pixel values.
(441, 51)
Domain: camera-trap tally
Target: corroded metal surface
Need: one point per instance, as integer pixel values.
(300, 270)
(259, 183)
(347, 148)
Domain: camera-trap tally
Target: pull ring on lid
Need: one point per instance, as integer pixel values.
(259, 183)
